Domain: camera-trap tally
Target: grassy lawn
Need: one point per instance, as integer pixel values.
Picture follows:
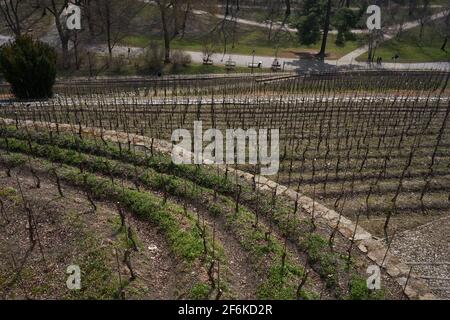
(412, 49)
(249, 41)
(249, 38)
(259, 14)
(146, 28)
(125, 67)
(202, 69)
(36, 24)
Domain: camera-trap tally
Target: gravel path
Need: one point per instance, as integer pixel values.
(427, 250)
(4, 39)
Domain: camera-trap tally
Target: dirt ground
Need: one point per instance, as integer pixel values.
(70, 233)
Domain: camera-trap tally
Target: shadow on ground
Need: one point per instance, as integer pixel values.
(317, 66)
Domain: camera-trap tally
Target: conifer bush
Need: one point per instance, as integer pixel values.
(30, 67)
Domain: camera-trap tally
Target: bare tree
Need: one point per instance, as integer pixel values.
(444, 29)
(114, 17)
(56, 8)
(209, 48)
(16, 14)
(174, 17)
(326, 29)
(424, 17)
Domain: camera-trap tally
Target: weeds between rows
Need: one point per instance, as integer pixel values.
(363, 147)
(326, 264)
(193, 245)
(251, 239)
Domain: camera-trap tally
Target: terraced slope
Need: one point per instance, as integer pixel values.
(364, 163)
(278, 256)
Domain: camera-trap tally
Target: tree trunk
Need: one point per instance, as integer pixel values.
(75, 50)
(89, 17)
(64, 38)
(166, 34)
(288, 8)
(326, 29)
(108, 29)
(422, 25)
(65, 52)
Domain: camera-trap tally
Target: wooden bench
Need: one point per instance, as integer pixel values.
(230, 65)
(276, 65)
(255, 65)
(207, 62)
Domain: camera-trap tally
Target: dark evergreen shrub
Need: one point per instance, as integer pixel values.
(30, 67)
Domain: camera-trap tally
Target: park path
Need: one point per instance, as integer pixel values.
(347, 60)
(426, 249)
(269, 24)
(4, 39)
(265, 25)
(389, 34)
(289, 64)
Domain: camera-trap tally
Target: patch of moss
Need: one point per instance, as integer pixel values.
(358, 290)
(199, 291)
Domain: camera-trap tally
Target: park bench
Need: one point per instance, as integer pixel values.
(276, 65)
(256, 65)
(230, 65)
(207, 61)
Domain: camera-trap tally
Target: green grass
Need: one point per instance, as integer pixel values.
(161, 174)
(183, 236)
(256, 39)
(359, 290)
(8, 193)
(196, 185)
(185, 242)
(125, 67)
(259, 14)
(246, 38)
(412, 49)
(98, 281)
(199, 291)
(327, 262)
(280, 284)
(214, 69)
